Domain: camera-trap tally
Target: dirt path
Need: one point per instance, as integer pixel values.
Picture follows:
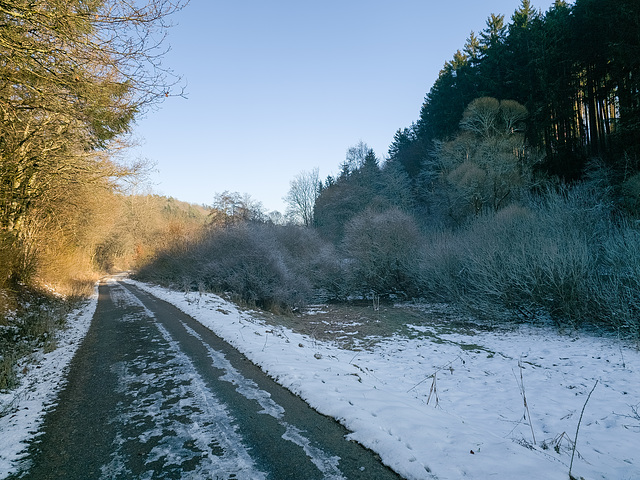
(152, 394)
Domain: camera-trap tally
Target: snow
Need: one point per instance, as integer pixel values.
(327, 464)
(163, 413)
(473, 424)
(150, 413)
(22, 410)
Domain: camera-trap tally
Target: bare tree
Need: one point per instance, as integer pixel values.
(488, 164)
(232, 208)
(303, 192)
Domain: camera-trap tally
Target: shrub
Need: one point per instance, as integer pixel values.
(311, 257)
(267, 265)
(30, 320)
(564, 255)
(382, 249)
(617, 289)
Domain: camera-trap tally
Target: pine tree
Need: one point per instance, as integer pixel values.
(492, 64)
(407, 150)
(443, 106)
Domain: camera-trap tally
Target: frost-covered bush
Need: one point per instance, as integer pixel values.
(267, 265)
(313, 258)
(382, 250)
(564, 255)
(617, 289)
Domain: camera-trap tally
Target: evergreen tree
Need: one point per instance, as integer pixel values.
(611, 73)
(492, 64)
(575, 69)
(519, 55)
(407, 150)
(556, 116)
(472, 49)
(445, 102)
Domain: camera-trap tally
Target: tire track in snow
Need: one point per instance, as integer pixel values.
(169, 410)
(326, 463)
(288, 439)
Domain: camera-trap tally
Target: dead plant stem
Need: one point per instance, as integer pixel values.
(575, 441)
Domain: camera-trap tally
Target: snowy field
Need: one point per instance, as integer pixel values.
(476, 427)
(448, 406)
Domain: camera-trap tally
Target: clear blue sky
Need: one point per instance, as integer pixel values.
(275, 88)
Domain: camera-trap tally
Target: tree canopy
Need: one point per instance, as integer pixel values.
(73, 77)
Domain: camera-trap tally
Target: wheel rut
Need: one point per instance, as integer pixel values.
(153, 394)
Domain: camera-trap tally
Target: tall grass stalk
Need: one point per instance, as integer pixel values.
(523, 393)
(575, 441)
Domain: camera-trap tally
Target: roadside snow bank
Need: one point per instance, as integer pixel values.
(22, 410)
(453, 407)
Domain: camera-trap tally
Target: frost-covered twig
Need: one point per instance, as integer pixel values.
(578, 428)
(448, 364)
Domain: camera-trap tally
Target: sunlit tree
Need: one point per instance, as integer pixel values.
(74, 75)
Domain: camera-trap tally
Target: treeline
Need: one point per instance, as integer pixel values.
(574, 69)
(516, 194)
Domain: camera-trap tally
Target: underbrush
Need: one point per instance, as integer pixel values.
(29, 320)
(276, 268)
(40, 283)
(566, 255)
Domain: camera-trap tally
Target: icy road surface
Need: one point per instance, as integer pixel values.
(152, 394)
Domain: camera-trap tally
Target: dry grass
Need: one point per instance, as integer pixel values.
(359, 325)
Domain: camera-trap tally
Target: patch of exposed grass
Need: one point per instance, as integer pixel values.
(358, 325)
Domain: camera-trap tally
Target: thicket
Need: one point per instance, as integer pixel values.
(565, 254)
(271, 266)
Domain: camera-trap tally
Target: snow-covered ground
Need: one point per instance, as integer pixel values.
(22, 410)
(475, 424)
(428, 406)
